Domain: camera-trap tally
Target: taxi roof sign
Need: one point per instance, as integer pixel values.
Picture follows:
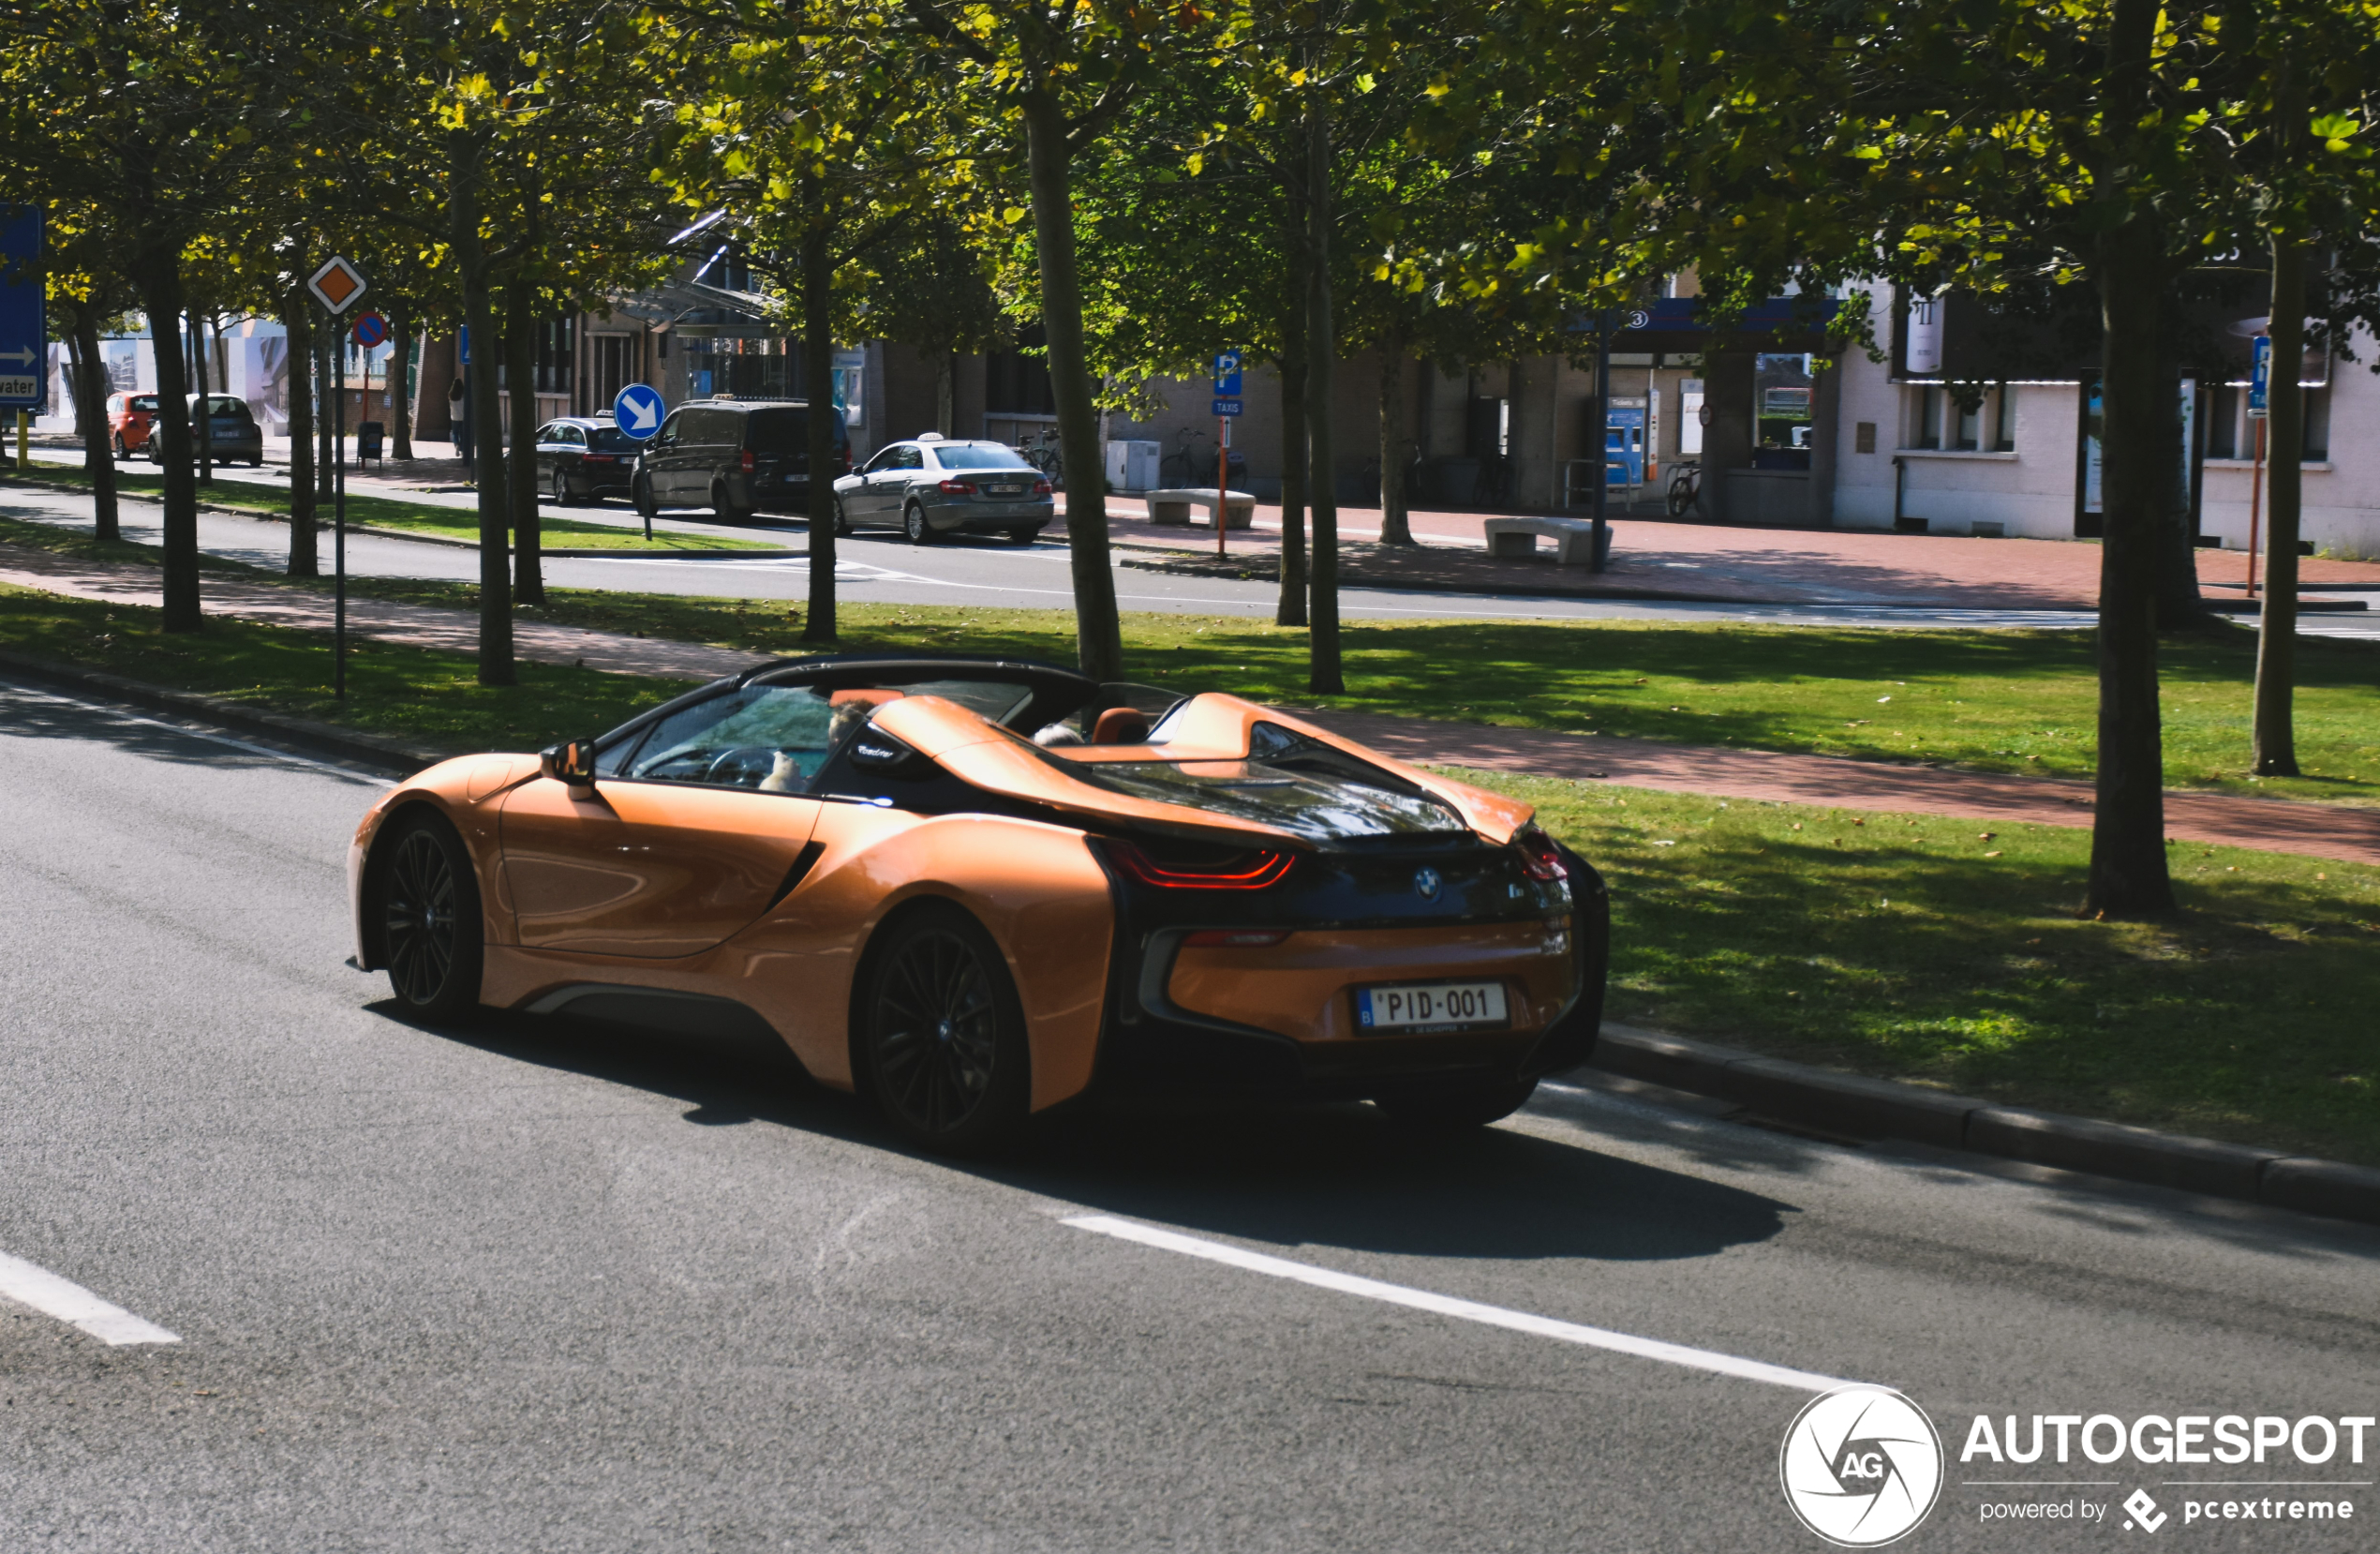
(337, 284)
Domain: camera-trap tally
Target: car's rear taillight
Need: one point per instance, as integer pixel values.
(957, 489)
(1233, 938)
(1249, 871)
(744, 461)
(1042, 487)
(1539, 859)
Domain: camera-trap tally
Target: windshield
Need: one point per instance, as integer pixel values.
(1320, 806)
(223, 406)
(611, 439)
(141, 402)
(979, 456)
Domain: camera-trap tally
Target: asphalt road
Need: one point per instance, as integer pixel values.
(539, 1285)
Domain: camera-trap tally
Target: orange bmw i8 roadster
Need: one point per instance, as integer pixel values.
(975, 889)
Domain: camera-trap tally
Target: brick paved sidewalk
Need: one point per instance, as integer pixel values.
(1657, 558)
(2318, 830)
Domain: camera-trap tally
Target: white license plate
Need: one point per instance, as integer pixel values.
(1430, 1004)
(1002, 490)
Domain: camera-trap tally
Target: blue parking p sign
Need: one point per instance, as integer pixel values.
(1226, 375)
(24, 324)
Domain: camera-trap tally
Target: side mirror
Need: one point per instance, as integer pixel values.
(572, 763)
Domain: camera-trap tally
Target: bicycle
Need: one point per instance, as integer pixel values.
(1047, 455)
(1182, 467)
(1686, 490)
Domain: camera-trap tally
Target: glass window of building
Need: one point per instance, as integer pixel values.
(1783, 398)
(2004, 436)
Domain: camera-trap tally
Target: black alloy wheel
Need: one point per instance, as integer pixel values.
(914, 524)
(942, 1039)
(428, 909)
(561, 488)
(120, 452)
(842, 520)
(726, 510)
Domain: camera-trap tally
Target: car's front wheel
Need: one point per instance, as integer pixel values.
(943, 1049)
(914, 524)
(842, 520)
(426, 903)
(1450, 1108)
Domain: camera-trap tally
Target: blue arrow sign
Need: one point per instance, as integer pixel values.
(24, 324)
(638, 411)
(1227, 377)
(2260, 377)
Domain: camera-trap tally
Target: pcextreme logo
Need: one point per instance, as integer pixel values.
(1860, 1466)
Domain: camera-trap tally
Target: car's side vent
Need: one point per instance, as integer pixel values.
(806, 861)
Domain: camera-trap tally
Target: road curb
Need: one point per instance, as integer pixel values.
(304, 734)
(1875, 1108)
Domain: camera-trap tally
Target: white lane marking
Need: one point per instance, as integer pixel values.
(29, 1284)
(1447, 1305)
(18, 689)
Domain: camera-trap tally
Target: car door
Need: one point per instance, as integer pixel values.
(689, 834)
(861, 506)
(660, 459)
(889, 488)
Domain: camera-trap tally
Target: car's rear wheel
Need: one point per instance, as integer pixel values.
(1025, 534)
(119, 449)
(914, 524)
(561, 488)
(1450, 1108)
(426, 903)
(842, 520)
(727, 510)
(943, 1036)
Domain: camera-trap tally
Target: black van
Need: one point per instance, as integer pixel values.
(735, 456)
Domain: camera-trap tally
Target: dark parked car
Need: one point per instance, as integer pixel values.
(232, 434)
(735, 456)
(932, 485)
(585, 458)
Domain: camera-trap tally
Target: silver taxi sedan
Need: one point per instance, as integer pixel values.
(930, 487)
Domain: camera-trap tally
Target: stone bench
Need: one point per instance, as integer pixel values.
(1573, 538)
(1183, 505)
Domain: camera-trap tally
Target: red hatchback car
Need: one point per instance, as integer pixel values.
(131, 417)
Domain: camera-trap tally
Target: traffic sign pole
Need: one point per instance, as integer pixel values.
(1222, 480)
(2259, 409)
(337, 286)
(637, 412)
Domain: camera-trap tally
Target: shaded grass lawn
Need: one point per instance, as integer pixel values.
(1915, 948)
(425, 698)
(2016, 701)
(1892, 945)
(454, 523)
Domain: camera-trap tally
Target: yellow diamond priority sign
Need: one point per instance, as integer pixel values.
(337, 285)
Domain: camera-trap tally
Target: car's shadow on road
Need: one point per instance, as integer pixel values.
(1336, 1175)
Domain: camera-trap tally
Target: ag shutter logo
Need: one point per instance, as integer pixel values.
(1860, 1466)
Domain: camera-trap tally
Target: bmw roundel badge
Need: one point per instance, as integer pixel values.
(1425, 884)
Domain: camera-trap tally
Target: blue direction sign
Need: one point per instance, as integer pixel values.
(638, 411)
(2260, 377)
(24, 324)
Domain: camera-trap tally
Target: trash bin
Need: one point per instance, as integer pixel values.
(368, 440)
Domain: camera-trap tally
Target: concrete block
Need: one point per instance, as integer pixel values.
(2322, 1187)
(1852, 1103)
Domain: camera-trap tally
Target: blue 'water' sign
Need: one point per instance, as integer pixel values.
(2260, 377)
(638, 411)
(24, 323)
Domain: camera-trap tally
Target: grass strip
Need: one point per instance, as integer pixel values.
(2008, 701)
(1947, 952)
(427, 698)
(454, 523)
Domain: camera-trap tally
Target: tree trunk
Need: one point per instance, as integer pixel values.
(160, 283)
(2127, 872)
(520, 469)
(90, 411)
(1323, 674)
(206, 415)
(2275, 752)
(2179, 604)
(495, 594)
(1291, 610)
(304, 553)
(1098, 633)
(401, 390)
(946, 374)
(818, 372)
(1394, 527)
